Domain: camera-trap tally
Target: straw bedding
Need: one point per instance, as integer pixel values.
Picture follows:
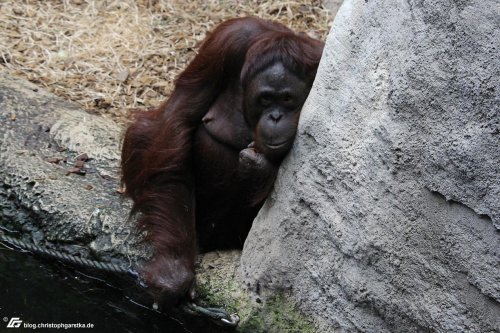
(114, 56)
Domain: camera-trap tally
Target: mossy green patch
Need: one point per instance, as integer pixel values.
(219, 285)
(276, 314)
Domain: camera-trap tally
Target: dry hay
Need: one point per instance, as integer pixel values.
(111, 56)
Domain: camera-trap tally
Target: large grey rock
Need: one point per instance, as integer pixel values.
(386, 215)
(40, 199)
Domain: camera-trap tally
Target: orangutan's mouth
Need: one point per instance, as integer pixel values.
(278, 145)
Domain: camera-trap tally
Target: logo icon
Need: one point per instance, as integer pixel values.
(14, 322)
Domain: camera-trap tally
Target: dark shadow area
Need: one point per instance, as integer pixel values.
(41, 291)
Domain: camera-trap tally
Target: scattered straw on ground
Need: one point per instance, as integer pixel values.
(112, 56)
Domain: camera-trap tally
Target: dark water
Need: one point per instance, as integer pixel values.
(38, 291)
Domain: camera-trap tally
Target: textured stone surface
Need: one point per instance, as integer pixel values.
(386, 214)
(40, 200)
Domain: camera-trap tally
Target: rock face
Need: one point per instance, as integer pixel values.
(386, 214)
(40, 199)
